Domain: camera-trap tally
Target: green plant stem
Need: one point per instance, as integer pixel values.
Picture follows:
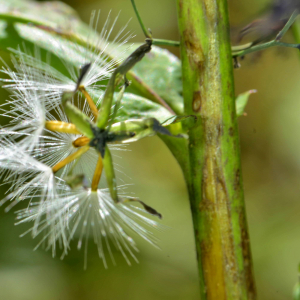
(179, 149)
(162, 42)
(296, 31)
(148, 34)
(145, 30)
(264, 46)
(288, 25)
(215, 184)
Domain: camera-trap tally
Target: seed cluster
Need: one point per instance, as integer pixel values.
(58, 141)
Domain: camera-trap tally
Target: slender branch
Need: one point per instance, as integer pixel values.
(148, 34)
(117, 106)
(241, 47)
(215, 182)
(127, 64)
(263, 47)
(162, 42)
(110, 175)
(145, 30)
(287, 26)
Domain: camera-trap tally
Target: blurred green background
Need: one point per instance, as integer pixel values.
(270, 142)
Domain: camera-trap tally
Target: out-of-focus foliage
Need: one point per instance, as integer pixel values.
(270, 137)
(266, 26)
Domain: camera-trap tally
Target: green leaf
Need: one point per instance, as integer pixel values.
(161, 70)
(136, 107)
(180, 124)
(52, 14)
(241, 102)
(48, 25)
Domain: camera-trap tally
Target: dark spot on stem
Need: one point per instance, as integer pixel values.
(237, 179)
(231, 131)
(180, 6)
(194, 50)
(220, 130)
(248, 271)
(197, 101)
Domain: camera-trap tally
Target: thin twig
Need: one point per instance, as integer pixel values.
(145, 30)
(162, 42)
(287, 26)
(264, 46)
(148, 34)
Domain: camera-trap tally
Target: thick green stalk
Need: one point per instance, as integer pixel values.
(215, 188)
(296, 31)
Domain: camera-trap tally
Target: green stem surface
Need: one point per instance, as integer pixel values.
(296, 31)
(215, 181)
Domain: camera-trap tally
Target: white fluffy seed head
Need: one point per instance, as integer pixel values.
(33, 73)
(84, 214)
(27, 115)
(28, 151)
